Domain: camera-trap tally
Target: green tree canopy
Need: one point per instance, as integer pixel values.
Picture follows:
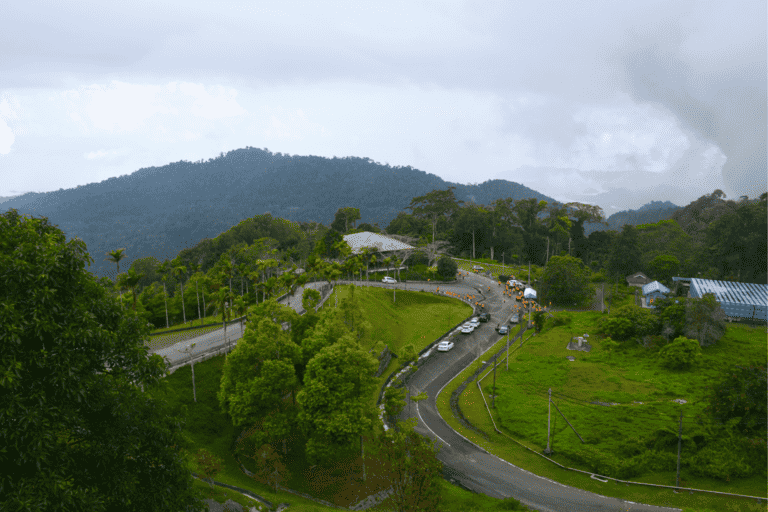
(335, 401)
(76, 431)
(664, 268)
(704, 320)
(566, 281)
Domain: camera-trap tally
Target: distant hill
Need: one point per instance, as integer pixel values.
(158, 211)
(647, 214)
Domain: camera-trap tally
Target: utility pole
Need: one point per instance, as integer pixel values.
(507, 348)
(493, 398)
(679, 446)
(549, 411)
(187, 349)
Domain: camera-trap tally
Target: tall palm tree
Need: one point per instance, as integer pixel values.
(178, 271)
(243, 270)
(164, 269)
(115, 256)
(130, 280)
(195, 267)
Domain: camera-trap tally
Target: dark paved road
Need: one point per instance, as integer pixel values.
(467, 463)
(464, 461)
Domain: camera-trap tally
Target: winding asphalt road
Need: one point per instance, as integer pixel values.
(464, 462)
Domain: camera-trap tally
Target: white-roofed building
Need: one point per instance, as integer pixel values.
(383, 244)
(380, 243)
(739, 300)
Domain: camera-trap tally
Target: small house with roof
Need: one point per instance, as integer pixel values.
(654, 290)
(638, 279)
(381, 244)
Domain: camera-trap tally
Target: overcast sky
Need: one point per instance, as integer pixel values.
(598, 101)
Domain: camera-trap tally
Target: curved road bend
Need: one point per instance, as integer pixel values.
(215, 339)
(464, 461)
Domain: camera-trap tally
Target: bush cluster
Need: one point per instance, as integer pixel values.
(681, 354)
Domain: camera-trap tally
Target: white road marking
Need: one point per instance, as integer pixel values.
(425, 424)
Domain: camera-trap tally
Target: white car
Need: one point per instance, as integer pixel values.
(467, 329)
(444, 346)
(389, 280)
(475, 322)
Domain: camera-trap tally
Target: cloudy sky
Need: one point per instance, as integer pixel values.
(607, 102)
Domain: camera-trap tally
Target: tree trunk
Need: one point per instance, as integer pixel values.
(165, 295)
(473, 244)
(547, 251)
(362, 450)
(183, 308)
(194, 391)
(197, 293)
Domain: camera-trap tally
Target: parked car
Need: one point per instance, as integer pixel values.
(467, 329)
(503, 329)
(478, 268)
(390, 280)
(475, 323)
(484, 317)
(444, 346)
(515, 319)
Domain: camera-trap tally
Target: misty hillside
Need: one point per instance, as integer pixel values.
(647, 214)
(159, 211)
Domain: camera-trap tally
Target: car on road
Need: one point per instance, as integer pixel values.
(390, 280)
(475, 322)
(484, 317)
(444, 346)
(515, 319)
(478, 268)
(503, 329)
(514, 282)
(467, 328)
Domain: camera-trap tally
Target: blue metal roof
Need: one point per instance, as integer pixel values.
(744, 300)
(655, 286)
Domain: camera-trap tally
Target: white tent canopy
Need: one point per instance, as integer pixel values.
(529, 293)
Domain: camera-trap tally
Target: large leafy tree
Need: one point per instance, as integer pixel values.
(523, 215)
(435, 204)
(705, 320)
(742, 393)
(335, 401)
(75, 430)
(558, 227)
(415, 472)
(471, 225)
(566, 281)
(256, 377)
(736, 242)
(345, 216)
(625, 255)
(663, 268)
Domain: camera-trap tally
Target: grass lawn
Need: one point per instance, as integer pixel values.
(411, 319)
(621, 377)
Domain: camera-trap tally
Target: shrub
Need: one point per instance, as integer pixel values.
(503, 278)
(652, 342)
(619, 328)
(446, 267)
(539, 320)
(561, 320)
(681, 354)
(511, 504)
(742, 394)
(609, 344)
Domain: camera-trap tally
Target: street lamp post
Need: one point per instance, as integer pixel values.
(187, 350)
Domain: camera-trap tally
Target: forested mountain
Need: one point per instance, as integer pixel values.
(647, 214)
(159, 211)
